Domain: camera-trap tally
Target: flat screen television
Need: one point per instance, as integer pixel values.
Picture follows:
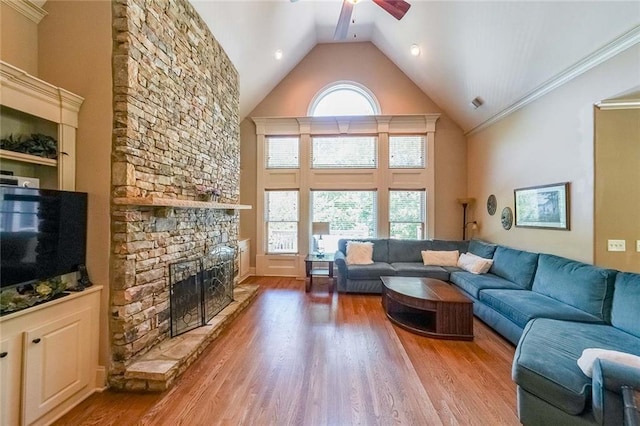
(43, 233)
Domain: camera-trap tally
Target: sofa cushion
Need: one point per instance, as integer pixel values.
(545, 362)
(369, 272)
(417, 269)
(482, 248)
(590, 355)
(472, 283)
(626, 302)
(445, 245)
(523, 305)
(380, 247)
(407, 250)
(578, 284)
(440, 258)
(359, 253)
(474, 264)
(515, 265)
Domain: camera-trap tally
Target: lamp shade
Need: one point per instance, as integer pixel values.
(320, 228)
(468, 201)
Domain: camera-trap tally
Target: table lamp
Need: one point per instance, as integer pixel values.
(320, 229)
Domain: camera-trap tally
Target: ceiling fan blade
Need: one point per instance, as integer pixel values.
(343, 21)
(397, 8)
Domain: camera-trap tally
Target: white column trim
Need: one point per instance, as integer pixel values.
(28, 9)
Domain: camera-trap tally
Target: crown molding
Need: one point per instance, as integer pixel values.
(335, 125)
(619, 104)
(620, 44)
(27, 8)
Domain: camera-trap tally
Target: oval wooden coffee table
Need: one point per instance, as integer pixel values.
(428, 306)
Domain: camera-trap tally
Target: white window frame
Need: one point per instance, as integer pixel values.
(423, 153)
(344, 85)
(345, 167)
(266, 158)
(306, 179)
(423, 211)
(267, 221)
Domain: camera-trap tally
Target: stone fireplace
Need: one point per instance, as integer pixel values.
(176, 131)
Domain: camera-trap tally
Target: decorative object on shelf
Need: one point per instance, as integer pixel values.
(210, 194)
(545, 206)
(506, 218)
(492, 204)
(84, 281)
(20, 297)
(465, 203)
(37, 144)
(320, 229)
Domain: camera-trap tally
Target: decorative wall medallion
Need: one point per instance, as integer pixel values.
(507, 218)
(492, 204)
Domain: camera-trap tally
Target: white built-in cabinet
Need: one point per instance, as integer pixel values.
(49, 352)
(49, 358)
(30, 105)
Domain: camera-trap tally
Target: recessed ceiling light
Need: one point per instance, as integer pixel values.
(415, 50)
(278, 54)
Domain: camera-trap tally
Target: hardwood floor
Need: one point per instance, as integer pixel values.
(296, 358)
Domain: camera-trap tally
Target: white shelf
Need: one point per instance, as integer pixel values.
(28, 158)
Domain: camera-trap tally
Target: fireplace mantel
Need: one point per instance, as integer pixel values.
(178, 203)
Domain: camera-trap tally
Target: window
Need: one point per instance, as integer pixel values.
(344, 152)
(344, 98)
(352, 214)
(282, 153)
(406, 152)
(406, 214)
(281, 211)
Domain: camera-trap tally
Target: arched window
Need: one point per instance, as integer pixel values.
(344, 98)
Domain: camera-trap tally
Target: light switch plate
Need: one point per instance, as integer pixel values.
(638, 246)
(616, 245)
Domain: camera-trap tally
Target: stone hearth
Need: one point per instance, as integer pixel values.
(157, 370)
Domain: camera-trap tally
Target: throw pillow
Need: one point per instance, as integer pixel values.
(589, 356)
(474, 264)
(359, 253)
(440, 258)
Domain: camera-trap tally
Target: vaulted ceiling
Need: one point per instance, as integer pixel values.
(505, 52)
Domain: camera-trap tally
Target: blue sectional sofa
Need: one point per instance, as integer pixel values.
(551, 307)
(391, 257)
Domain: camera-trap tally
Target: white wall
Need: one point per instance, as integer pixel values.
(550, 140)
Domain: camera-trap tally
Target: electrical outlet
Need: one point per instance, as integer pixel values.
(616, 245)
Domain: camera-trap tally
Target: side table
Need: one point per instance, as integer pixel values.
(321, 271)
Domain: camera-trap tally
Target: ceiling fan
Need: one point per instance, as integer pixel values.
(396, 8)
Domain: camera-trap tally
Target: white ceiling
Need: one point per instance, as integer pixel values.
(500, 51)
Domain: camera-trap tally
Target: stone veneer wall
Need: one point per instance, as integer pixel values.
(176, 127)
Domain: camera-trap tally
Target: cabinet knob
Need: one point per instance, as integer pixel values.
(3, 354)
(36, 340)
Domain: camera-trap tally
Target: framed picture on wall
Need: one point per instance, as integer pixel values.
(545, 206)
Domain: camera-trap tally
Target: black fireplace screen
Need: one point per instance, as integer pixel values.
(217, 281)
(185, 297)
(200, 289)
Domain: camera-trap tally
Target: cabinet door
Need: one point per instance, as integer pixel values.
(56, 364)
(10, 368)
